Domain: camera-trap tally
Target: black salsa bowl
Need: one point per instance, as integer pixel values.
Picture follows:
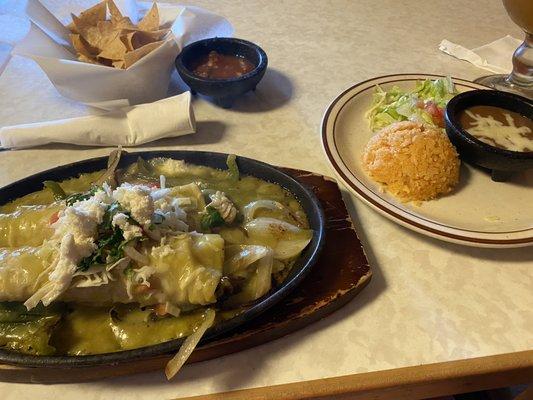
(223, 91)
(247, 166)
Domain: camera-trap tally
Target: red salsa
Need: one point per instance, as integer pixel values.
(221, 66)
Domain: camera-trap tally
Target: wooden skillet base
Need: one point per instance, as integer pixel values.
(340, 273)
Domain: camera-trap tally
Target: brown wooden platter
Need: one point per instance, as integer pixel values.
(341, 272)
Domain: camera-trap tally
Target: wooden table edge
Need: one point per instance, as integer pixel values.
(407, 383)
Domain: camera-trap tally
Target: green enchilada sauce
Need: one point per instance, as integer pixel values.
(92, 330)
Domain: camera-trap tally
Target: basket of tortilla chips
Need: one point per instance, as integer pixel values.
(116, 42)
(108, 58)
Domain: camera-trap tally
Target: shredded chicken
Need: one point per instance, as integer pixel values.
(224, 206)
(139, 277)
(75, 232)
(95, 276)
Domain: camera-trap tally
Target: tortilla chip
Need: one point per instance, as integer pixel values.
(86, 59)
(77, 23)
(94, 14)
(108, 33)
(127, 39)
(105, 61)
(91, 34)
(72, 28)
(116, 42)
(81, 46)
(125, 23)
(106, 28)
(155, 36)
(150, 21)
(133, 56)
(114, 50)
(138, 39)
(116, 15)
(120, 64)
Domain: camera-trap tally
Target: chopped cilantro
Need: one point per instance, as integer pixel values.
(211, 219)
(75, 197)
(109, 249)
(111, 242)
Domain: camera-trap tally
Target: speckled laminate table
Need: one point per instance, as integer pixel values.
(469, 310)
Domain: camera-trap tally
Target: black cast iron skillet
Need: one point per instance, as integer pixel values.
(247, 166)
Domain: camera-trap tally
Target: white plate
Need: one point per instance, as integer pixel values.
(479, 212)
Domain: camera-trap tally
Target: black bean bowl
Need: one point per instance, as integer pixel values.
(247, 166)
(502, 163)
(223, 91)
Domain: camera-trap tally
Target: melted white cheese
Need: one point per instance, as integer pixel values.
(129, 230)
(491, 131)
(169, 210)
(137, 200)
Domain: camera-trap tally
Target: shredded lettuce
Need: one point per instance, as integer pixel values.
(397, 105)
(440, 91)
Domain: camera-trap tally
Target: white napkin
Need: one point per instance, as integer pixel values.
(495, 57)
(129, 126)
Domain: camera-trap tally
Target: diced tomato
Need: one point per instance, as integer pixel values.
(154, 185)
(437, 113)
(142, 289)
(160, 310)
(54, 217)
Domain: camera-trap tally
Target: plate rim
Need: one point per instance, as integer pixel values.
(308, 260)
(385, 208)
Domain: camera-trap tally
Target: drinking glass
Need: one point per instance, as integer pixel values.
(520, 80)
